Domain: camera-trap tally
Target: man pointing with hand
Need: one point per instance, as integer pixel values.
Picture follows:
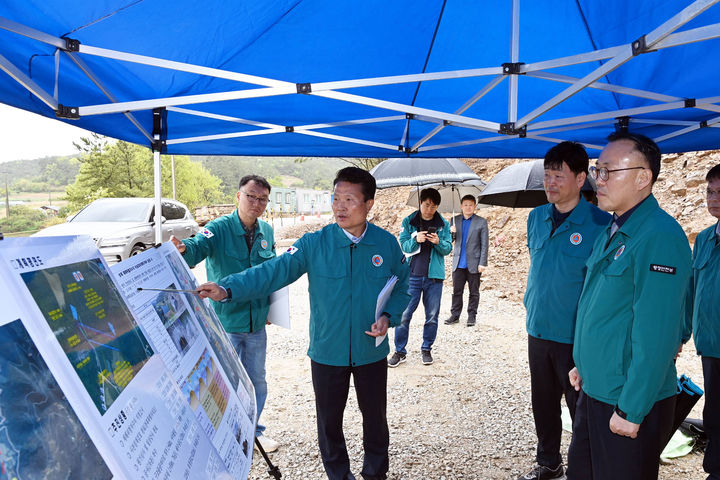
(348, 263)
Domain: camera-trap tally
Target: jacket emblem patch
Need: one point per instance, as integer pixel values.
(377, 260)
(291, 250)
(576, 238)
(619, 252)
(263, 244)
(206, 233)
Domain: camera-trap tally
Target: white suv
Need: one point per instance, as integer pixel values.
(123, 227)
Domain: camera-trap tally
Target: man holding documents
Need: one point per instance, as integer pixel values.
(348, 264)
(231, 244)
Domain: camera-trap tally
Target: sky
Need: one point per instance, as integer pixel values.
(25, 135)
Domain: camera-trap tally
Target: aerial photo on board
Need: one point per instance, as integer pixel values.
(40, 435)
(93, 325)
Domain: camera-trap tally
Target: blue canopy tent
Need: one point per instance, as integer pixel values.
(497, 78)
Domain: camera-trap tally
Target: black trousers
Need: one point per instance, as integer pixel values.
(550, 363)
(331, 385)
(711, 416)
(459, 277)
(598, 454)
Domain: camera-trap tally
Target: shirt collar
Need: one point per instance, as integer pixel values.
(353, 238)
(620, 220)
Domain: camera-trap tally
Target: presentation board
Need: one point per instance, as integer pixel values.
(144, 383)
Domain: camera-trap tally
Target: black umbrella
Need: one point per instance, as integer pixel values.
(403, 172)
(520, 186)
(450, 195)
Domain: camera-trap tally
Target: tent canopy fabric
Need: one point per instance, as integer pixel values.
(421, 78)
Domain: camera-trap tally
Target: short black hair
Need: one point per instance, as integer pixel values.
(469, 197)
(713, 173)
(645, 146)
(254, 178)
(571, 153)
(430, 194)
(360, 177)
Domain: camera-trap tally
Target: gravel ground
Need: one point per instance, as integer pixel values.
(467, 416)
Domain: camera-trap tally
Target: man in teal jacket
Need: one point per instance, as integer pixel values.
(704, 313)
(348, 264)
(560, 238)
(425, 235)
(629, 322)
(231, 244)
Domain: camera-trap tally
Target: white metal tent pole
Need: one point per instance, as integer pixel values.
(514, 55)
(172, 166)
(158, 195)
(157, 173)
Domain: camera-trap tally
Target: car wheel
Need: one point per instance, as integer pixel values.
(137, 249)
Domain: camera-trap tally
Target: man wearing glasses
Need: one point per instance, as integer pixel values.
(231, 244)
(704, 312)
(348, 264)
(629, 322)
(560, 237)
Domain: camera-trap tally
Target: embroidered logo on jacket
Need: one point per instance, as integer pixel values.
(206, 233)
(576, 238)
(619, 252)
(377, 260)
(662, 269)
(263, 244)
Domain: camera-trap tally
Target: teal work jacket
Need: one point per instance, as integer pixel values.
(557, 268)
(436, 268)
(704, 295)
(344, 282)
(631, 310)
(225, 251)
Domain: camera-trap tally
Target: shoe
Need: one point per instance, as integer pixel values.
(541, 472)
(471, 322)
(396, 359)
(452, 320)
(268, 444)
(427, 357)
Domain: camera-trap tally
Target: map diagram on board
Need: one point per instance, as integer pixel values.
(40, 435)
(93, 325)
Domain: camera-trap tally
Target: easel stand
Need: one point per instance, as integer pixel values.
(272, 470)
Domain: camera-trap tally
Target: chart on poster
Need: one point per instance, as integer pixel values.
(187, 334)
(97, 375)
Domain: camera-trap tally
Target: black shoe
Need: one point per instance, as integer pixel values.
(396, 359)
(541, 472)
(427, 357)
(452, 320)
(471, 322)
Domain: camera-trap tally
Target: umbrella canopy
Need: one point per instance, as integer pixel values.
(450, 195)
(520, 186)
(401, 172)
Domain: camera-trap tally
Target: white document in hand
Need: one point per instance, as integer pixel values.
(279, 313)
(382, 301)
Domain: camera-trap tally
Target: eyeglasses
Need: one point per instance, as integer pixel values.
(603, 173)
(254, 199)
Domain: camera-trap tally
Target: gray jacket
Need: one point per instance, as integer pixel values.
(476, 250)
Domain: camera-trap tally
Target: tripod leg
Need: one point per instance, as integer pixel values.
(272, 470)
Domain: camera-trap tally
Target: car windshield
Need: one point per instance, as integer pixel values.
(113, 211)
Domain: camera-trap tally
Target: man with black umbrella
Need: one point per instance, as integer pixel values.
(560, 238)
